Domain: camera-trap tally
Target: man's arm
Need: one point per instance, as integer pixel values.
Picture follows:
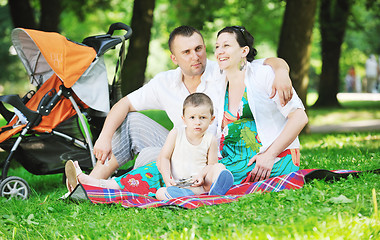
(103, 146)
(282, 82)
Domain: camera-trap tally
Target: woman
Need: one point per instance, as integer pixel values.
(259, 137)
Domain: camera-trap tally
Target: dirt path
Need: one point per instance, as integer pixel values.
(364, 125)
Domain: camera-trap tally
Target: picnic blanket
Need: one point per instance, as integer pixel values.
(294, 180)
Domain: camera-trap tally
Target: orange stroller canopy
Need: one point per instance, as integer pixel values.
(67, 59)
(77, 65)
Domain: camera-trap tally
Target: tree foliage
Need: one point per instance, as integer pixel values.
(197, 12)
(263, 18)
(45, 15)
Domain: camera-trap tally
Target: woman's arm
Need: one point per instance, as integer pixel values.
(282, 82)
(265, 161)
(163, 160)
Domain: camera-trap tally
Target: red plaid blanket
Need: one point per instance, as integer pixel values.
(294, 180)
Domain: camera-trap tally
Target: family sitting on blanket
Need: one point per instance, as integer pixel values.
(242, 91)
(188, 161)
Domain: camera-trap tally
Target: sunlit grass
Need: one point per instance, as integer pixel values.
(321, 210)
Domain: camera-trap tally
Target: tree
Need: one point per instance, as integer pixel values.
(133, 70)
(333, 22)
(24, 12)
(295, 41)
(23, 15)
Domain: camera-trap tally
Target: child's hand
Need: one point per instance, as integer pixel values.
(169, 182)
(198, 181)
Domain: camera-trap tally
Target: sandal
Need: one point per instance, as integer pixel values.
(72, 173)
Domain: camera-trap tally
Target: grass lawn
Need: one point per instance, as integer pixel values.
(340, 210)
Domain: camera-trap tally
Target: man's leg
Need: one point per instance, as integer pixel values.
(147, 155)
(370, 84)
(135, 133)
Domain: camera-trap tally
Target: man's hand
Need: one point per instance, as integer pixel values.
(102, 150)
(263, 168)
(283, 85)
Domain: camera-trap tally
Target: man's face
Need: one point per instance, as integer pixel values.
(189, 53)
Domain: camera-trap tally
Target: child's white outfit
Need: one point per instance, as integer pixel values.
(188, 160)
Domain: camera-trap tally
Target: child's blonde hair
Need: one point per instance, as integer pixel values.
(196, 99)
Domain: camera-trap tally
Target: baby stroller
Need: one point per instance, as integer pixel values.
(59, 120)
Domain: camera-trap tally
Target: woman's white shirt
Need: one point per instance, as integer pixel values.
(269, 115)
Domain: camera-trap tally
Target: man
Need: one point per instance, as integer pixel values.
(371, 73)
(166, 91)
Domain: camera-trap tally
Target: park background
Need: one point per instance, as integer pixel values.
(320, 40)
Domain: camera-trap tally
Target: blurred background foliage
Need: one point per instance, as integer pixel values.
(263, 18)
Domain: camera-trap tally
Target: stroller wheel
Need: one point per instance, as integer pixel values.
(14, 187)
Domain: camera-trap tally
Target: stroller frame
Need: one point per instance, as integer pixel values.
(16, 187)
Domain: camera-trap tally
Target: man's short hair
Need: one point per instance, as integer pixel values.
(197, 99)
(185, 31)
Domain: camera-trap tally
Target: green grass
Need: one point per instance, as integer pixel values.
(350, 111)
(339, 210)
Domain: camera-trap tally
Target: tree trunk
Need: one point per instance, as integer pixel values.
(50, 14)
(22, 14)
(333, 21)
(295, 41)
(133, 71)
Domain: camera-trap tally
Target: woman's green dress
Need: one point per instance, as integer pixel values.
(240, 142)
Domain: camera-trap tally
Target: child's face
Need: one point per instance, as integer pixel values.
(198, 119)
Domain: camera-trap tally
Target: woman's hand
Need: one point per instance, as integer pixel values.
(102, 149)
(263, 168)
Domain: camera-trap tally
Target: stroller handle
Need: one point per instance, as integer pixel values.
(102, 43)
(120, 26)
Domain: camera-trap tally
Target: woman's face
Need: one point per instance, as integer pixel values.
(228, 52)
